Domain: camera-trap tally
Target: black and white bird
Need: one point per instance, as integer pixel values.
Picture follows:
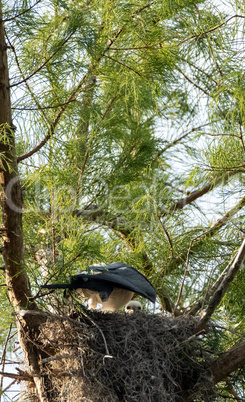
(111, 285)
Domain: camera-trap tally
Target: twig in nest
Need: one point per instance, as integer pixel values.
(57, 357)
(191, 338)
(23, 376)
(102, 334)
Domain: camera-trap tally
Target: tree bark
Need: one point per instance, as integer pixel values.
(236, 265)
(11, 199)
(230, 361)
(16, 278)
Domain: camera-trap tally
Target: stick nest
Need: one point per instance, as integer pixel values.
(118, 357)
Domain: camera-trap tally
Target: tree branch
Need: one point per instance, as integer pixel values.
(26, 83)
(35, 149)
(53, 125)
(230, 361)
(183, 136)
(201, 303)
(223, 287)
(225, 218)
(193, 83)
(168, 237)
(19, 377)
(211, 29)
(19, 15)
(18, 284)
(124, 65)
(11, 198)
(182, 202)
(4, 355)
(74, 93)
(25, 79)
(200, 238)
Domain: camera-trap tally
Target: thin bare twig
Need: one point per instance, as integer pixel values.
(8, 386)
(211, 29)
(184, 276)
(200, 70)
(193, 83)
(183, 136)
(25, 79)
(58, 105)
(215, 325)
(135, 48)
(57, 357)
(218, 224)
(220, 134)
(191, 338)
(101, 332)
(4, 356)
(75, 92)
(20, 14)
(22, 313)
(168, 237)
(18, 377)
(236, 265)
(122, 64)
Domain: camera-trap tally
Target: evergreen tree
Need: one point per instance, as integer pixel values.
(124, 141)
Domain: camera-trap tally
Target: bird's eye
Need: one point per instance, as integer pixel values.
(139, 308)
(128, 307)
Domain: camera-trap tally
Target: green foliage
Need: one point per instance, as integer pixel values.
(226, 154)
(116, 70)
(137, 105)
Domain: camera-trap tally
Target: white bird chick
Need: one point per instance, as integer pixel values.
(133, 307)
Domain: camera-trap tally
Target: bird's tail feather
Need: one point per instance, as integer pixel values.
(57, 286)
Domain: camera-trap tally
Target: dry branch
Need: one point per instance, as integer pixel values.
(4, 355)
(202, 302)
(224, 285)
(20, 14)
(25, 79)
(211, 29)
(19, 377)
(194, 195)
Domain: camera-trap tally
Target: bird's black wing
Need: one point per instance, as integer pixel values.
(57, 286)
(84, 282)
(115, 275)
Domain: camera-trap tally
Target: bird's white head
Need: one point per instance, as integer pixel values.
(133, 307)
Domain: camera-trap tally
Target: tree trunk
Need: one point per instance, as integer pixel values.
(11, 200)
(17, 282)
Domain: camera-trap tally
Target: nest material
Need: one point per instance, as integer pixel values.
(118, 357)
